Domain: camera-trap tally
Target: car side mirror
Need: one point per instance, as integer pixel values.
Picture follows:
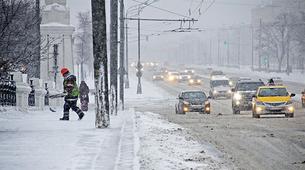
(292, 95)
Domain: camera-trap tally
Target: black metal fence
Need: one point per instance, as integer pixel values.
(31, 99)
(7, 91)
(46, 98)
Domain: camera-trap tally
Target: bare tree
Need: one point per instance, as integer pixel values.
(84, 42)
(18, 38)
(276, 39)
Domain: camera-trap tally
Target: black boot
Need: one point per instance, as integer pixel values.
(81, 115)
(65, 116)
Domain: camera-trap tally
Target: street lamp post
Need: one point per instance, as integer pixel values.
(139, 65)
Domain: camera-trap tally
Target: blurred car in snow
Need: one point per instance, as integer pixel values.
(172, 76)
(189, 71)
(195, 80)
(219, 87)
(243, 93)
(216, 73)
(158, 76)
(193, 101)
(184, 76)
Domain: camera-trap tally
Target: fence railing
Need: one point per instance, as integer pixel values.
(7, 92)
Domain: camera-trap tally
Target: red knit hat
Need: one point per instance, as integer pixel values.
(64, 71)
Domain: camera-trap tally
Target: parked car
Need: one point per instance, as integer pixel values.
(272, 100)
(243, 93)
(193, 101)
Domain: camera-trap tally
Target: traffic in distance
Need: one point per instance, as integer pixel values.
(269, 97)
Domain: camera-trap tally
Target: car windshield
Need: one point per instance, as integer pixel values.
(194, 95)
(216, 83)
(265, 92)
(250, 86)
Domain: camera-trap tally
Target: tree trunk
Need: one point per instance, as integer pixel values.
(100, 57)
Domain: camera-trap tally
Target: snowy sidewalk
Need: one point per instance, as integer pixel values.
(38, 140)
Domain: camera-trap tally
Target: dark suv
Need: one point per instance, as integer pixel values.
(243, 93)
(193, 101)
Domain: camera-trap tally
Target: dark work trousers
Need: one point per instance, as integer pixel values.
(73, 106)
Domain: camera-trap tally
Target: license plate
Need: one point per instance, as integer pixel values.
(275, 108)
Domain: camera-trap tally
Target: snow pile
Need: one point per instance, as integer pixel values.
(168, 146)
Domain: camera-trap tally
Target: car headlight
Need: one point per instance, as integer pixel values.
(188, 77)
(230, 83)
(290, 109)
(154, 77)
(215, 91)
(199, 81)
(259, 109)
(237, 102)
(192, 81)
(229, 91)
(237, 96)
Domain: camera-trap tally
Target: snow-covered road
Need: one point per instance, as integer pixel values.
(247, 143)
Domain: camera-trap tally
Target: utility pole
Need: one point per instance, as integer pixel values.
(218, 48)
(260, 46)
(102, 119)
(37, 50)
(238, 54)
(122, 50)
(210, 57)
(252, 48)
(139, 66)
(114, 50)
(228, 49)
(126, 59)
(55, 66)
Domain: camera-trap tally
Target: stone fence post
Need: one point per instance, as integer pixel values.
(40, 93)
(22, 92)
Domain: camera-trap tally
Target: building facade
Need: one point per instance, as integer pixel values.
(57, 42)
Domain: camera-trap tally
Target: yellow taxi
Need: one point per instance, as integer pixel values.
(272, 100)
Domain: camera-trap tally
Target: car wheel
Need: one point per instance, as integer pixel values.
(254, 115)
(236, 111)
(289, 115)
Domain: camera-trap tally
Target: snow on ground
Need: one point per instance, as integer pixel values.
(150, 91)
(38, 140)
(166, 145)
